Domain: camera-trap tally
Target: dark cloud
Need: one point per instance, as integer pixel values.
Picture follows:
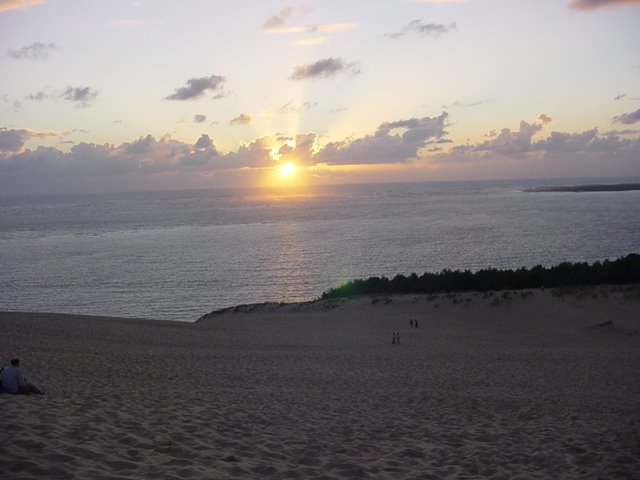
(199, 118)
(628, 118)
(433, 30)
(561, 142)
(81, 96)
(304, 150)
(326, 68)
(593, 4)
(12, 140)
(205, 143)
(35, 51)
(138, 147)
(393, 142)
(256, 154)
(519, 145)
(507, 142)
(626, 131)
(196, 88)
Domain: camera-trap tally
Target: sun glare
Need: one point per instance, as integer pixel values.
(287, 169)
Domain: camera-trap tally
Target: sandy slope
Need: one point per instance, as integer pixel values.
(520, 387)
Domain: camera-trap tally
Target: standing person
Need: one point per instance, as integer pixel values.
(13, 380)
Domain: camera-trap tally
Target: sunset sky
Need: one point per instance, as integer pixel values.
(159, 94)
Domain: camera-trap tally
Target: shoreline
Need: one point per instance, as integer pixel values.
(628, 291)
(617, 187)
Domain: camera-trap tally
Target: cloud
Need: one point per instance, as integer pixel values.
(12, 140)
(393, 142)
(256, 154)
(433, 30)
(330, 27)
(140, 146)
(35, 51)
(43, 94)
(619, 97)
(465, 105)
(520, 146)
(414, 143)
(279, 24)
(15, 105)
(558, 154)
(82, 96)
(7, 5)
(199, 118)
(204, 143)
(326, 68)
(300, 149)
(196, 88)
(290, 107)
(594, 4)
(628, 118)
(279, 20)
(242, 119)
(545, 119)
(507, 142)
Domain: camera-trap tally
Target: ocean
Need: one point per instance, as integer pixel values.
(178, 255)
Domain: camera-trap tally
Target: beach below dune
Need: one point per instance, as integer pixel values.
(518, 385)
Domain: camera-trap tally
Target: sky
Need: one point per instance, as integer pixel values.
(122, 95)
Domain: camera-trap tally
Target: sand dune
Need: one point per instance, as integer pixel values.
(520, 385)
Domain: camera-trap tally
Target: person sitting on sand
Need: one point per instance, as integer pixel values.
(14, 382)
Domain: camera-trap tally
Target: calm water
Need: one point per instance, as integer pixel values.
(178, 255)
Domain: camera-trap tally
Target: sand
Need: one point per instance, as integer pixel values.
(524, 385)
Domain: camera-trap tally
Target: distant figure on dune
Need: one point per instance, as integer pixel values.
(411, 323)
(415, 323)
(395, 338)
(12, 381)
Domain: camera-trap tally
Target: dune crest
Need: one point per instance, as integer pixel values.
(527, 384)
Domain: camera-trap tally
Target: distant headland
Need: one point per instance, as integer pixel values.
(620, 187)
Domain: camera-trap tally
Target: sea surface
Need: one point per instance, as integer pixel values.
(178, 255)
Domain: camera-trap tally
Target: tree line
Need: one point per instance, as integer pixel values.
(624, 270)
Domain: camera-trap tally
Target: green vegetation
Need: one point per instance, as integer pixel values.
(625, 270)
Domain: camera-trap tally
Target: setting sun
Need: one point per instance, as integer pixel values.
(287, 169)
